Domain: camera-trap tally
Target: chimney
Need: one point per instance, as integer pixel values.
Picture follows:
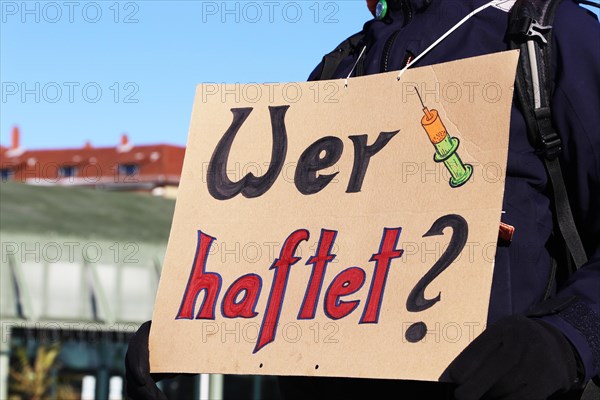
(87, 145)
(16, 136)
(15, 149)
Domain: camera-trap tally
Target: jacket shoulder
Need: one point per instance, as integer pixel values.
(332, 59)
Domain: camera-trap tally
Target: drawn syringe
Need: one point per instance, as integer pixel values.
(445, 146)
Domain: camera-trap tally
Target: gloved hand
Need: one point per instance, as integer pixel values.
(140, 383)
(515, 358)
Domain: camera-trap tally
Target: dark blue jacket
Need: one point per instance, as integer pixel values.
(523, 268)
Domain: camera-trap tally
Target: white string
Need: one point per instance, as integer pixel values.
(355, 64)
(450, 31)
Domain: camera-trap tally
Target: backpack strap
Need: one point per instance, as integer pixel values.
(332, 60)
(530, 31)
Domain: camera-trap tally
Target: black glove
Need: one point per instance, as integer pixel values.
(140, 383)
(515, 358)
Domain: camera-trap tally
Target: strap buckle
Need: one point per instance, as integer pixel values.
(530, 28)
(537, 30)
(551, 144)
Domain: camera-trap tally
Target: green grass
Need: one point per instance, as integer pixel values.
(84, 213)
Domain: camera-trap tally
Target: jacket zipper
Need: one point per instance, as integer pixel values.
(387, 49)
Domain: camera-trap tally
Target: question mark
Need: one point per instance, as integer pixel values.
(416, 301)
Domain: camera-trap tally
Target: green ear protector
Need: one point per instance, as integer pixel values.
(381, 9)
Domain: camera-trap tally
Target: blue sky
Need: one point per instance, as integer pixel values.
(78, 70)
(146, 59)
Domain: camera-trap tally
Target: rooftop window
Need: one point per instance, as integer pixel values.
(67, 171)
(129, 169)
(6, 174)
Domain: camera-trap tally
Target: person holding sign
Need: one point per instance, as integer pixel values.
(543, 334)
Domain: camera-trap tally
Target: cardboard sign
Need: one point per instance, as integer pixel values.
(337, 231)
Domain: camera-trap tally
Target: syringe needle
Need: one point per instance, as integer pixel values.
(425, 109)
(420, 99)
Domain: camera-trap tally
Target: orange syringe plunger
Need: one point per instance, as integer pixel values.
(434, 126)
(445, 146)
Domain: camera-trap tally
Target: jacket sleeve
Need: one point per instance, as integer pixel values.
(575, 309)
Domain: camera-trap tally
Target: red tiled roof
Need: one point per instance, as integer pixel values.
(159, 164)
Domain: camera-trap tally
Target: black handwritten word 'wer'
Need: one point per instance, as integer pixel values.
(320, 155)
